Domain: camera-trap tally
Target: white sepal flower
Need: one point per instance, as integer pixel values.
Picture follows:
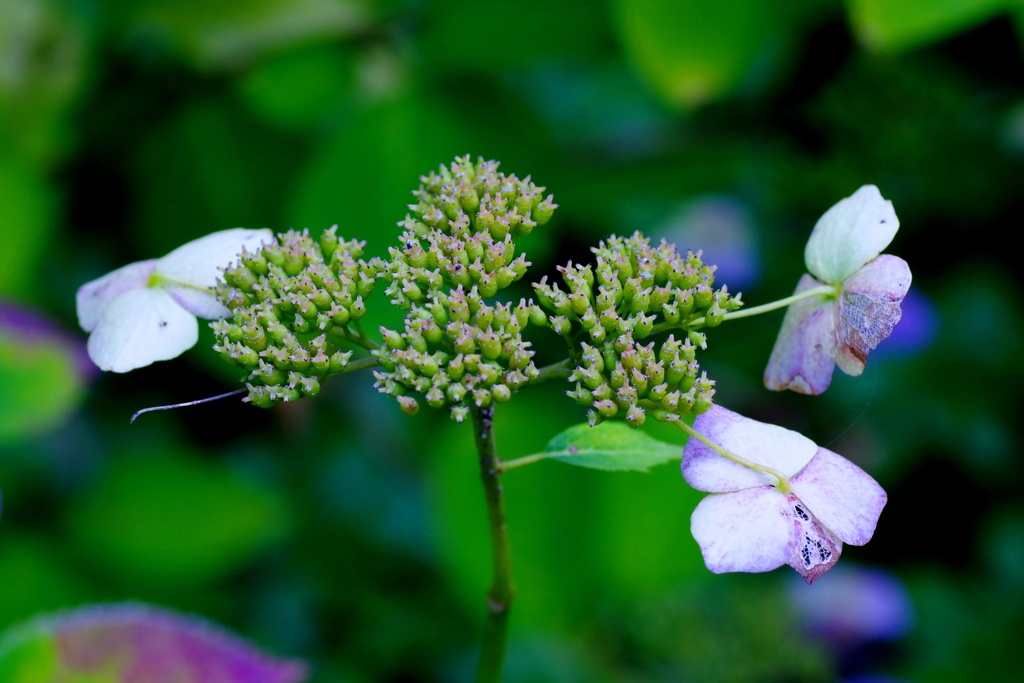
(146, 311)
(823, 331)
(755, 522)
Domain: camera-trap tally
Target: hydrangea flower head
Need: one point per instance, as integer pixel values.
(841, 328)
(798, 508)
(146, 311)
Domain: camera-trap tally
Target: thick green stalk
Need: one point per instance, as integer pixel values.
(499, 599)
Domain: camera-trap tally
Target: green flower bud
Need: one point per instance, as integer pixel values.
(456, 368)
(501, 393)
(643, 325)
(714, 316)
(639, 381)
(358, 308)
(459, 413)
(329, 241)
(658, 392)
(254, 261)
(561, 325)
(408, 405)
(392, 338)
(490, 345)
(685, 303)
(581, 395)
(339, 360)
(636, 416)
(543, 211)
(606, 408)
(537, 316)
(603, 392)
(703, 296)
(698, 339)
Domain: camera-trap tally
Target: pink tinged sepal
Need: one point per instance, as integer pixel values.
(93, 298)
(136, 643)
(815, 548)
(869, 309)
(140, 327)
(764, 444)
(804, 354)
(744, 531)
(842, 496)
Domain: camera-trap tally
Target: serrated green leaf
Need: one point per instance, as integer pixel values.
(610, 446)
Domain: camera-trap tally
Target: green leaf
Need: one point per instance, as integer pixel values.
(896, 25)
(610, 446)
(41, 385)
(296, 90)
(170, 520)
(221, 34)
(691, 51)
(26, 214)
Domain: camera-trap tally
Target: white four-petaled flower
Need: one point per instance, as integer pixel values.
(752, 521)
(823, 331)
(146, 311)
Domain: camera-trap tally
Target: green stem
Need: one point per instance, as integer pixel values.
(357, 338)
(739, 459)
(361, 364)
(823, 290)
(499, 599)
(506, 465)
(559, 370)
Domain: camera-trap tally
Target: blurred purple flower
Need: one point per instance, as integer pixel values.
(133, 643)
(918, 327)
(853, 605)
(31, 327)
(723, 227)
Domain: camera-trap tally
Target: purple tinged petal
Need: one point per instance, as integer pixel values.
(744, 531)
(765, 444)
(841, 495)
(93, 298)
(147, 645)
(869, 309)
(803, 357)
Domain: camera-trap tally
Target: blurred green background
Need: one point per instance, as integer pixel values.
(341, 531)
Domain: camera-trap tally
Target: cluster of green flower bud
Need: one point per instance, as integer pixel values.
(458, 351)
(626, 379)
(634, 291)
(458, 249)
(461, 232)
(293, 302)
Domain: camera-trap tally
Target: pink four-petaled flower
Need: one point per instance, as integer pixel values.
(841, 328)
(752, 521)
